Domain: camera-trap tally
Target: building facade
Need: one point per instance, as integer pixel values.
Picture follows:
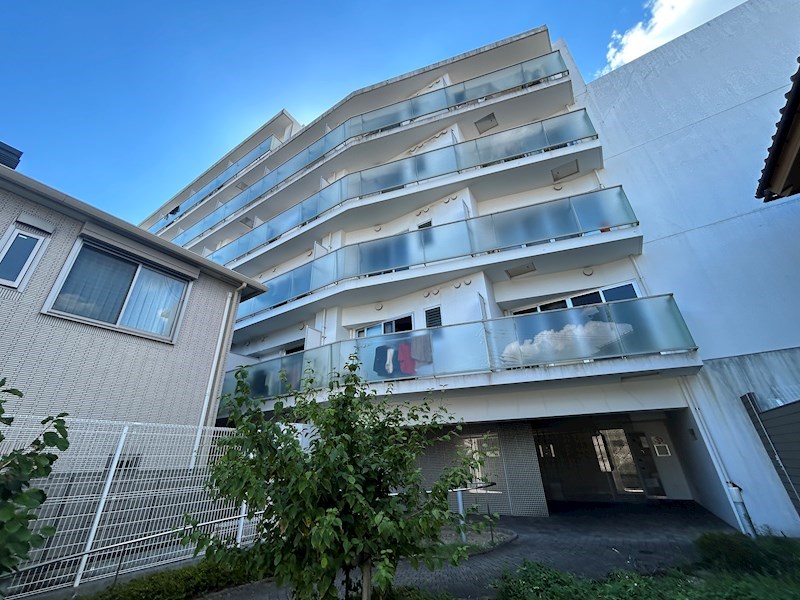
(571, 264)
(104, 321)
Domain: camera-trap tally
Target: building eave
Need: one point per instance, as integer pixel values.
(40, 193)
(778, 151)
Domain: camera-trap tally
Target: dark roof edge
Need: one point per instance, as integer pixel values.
(783, 126)
(36, 191)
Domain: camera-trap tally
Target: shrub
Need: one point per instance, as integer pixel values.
(18, 500)
(737, 553)
(191, 581)
(534, 581)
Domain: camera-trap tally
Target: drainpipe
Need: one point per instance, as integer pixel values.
(733, 491)
(212, 378)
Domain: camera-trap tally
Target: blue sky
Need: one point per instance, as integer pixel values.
(122, 104)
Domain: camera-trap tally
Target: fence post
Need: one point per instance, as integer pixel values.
(240, 528)
(460, 498)
(101, 506)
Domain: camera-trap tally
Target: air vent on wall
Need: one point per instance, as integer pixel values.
(433, 317)
(486, 123)
(521, 270)
(565, 170)
(247, 222)
(241, 185)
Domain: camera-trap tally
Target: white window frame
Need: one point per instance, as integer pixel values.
(67, 269)
(568, 299)
(357, 330)
(30, 263)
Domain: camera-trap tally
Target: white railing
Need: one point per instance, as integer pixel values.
(112, 496)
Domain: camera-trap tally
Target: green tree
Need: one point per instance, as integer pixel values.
(348, 497)
(18, 500)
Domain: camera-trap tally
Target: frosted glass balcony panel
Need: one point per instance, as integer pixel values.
(445, 241)
(324, 271)
(519, 227)
(347, 261)
(387, 177)
(542, 67)
(508, 78)
(459, 349)
(434, 163)
(594, 332)
(422, 166)
(387, 116)
(431, 102)
(390, 253)
(269, 144)
(603, 209)
(483, 233)
(334, 194)
(301, 280)
(568, 128)
(650, 325)
(511, 144)
(562, 336)
(503, 346)
(542, 222)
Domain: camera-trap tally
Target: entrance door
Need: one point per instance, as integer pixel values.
(608, 465)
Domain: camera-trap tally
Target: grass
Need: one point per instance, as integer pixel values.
(731, 567)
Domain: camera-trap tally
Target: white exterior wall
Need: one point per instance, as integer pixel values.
(685, 129)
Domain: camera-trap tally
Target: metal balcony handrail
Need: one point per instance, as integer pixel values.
(365, 133)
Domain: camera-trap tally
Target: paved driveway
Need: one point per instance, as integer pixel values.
(588, 540)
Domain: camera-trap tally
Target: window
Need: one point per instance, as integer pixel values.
(17, 253)
(626, 291)
(393, 326)
(111, 288)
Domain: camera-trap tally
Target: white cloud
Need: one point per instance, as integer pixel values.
(667, 20)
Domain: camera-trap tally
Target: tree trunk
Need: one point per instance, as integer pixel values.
(366, 581)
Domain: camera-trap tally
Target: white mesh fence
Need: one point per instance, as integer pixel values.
(119, 482)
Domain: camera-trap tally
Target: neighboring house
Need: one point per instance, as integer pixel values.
(104, 321)
(494, 227)
(781, 174)
(776, 416)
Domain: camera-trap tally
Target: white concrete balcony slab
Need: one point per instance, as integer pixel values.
(570, 232)
(534, 75)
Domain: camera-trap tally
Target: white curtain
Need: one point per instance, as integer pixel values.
(153, 303)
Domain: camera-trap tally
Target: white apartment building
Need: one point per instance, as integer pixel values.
(582, 269)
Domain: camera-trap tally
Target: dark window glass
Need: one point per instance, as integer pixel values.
(403, 324)
(96, 286)
(17, 255)
(554, 305)
(622, 292)
(584, 299)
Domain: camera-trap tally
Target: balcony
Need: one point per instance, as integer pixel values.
(567, 343)
(267, 145)
(536, 138)
(529, 73)
(583, 215)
